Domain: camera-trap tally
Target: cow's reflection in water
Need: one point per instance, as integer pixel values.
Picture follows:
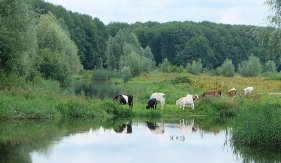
(156, 128)
(124, 128)
(186, 125)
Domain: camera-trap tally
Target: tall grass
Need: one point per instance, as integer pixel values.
(25, 105)
(259, 124)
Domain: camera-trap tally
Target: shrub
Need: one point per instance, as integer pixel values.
(270, 66)
(181, 79)
(126, 73)
(252, 67)
(165, 66)
(195, 67)
(227, 69)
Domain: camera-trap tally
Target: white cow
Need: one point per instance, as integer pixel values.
(159, 97)
(248, 90)
(187, 100)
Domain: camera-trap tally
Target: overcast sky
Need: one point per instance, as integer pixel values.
(248, 12)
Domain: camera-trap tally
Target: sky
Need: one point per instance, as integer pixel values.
(247, 12)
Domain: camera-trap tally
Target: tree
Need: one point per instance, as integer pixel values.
(165, 66)
(124, 50)
(251, 67)
(198, 48)
(270, 37)
(195, 67)
(17, 37)
(57, 52)
(227, 69)
(270, 66)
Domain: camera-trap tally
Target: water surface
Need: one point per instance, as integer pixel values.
(85, 141)
(163, 142)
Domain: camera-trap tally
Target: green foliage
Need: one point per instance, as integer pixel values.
(10, 81)
(227, 69)
(124, 50)
(183, 42)
(252, 67)
(198, 48)
(195, 67)
(270, 66)
(17, 37)
(57, 52)
(104, 75)
(273, 76)
(126, 74)
(89, 34)
(216, 106)
(166, 66)
(259, 125)
(53, 66)
(181, 79)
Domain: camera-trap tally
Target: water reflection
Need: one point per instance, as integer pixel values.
(97, 88)
(186, 125)
(258, 154)
(156, 128)
(124, 128)
(124, 140)
(100, 86)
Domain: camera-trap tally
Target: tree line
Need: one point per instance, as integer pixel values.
(41, 39)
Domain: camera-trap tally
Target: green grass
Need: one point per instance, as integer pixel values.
(45, 99)
(25, 105)
(259, 123)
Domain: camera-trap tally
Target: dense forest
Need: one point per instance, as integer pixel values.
(179, 42)
(39, 38)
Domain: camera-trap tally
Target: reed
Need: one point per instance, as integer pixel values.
(259, 123)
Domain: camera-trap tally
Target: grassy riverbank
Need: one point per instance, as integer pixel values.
(47, 100)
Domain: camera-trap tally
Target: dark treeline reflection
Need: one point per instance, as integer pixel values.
(97, 89)
(18, 139)
(257, 154)
(100, 86)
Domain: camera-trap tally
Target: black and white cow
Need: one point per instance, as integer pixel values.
(159, 97)
(151, 104)
(124, 99)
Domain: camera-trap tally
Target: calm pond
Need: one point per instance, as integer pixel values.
(116, 141)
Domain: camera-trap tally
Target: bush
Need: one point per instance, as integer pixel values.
(181, 79)
(126, 73)
(227, 69)
(195, 67)
(252, 67)
(103, 74)
(165, 66)
(270, 66)
(53, 66)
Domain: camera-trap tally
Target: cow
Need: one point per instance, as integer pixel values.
(151, 104)
(232, 92)
(124, 99)
(159, 97)
(212, 93)
(248, 90)
(187, 100)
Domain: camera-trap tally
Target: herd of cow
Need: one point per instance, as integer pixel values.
(182, 102)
